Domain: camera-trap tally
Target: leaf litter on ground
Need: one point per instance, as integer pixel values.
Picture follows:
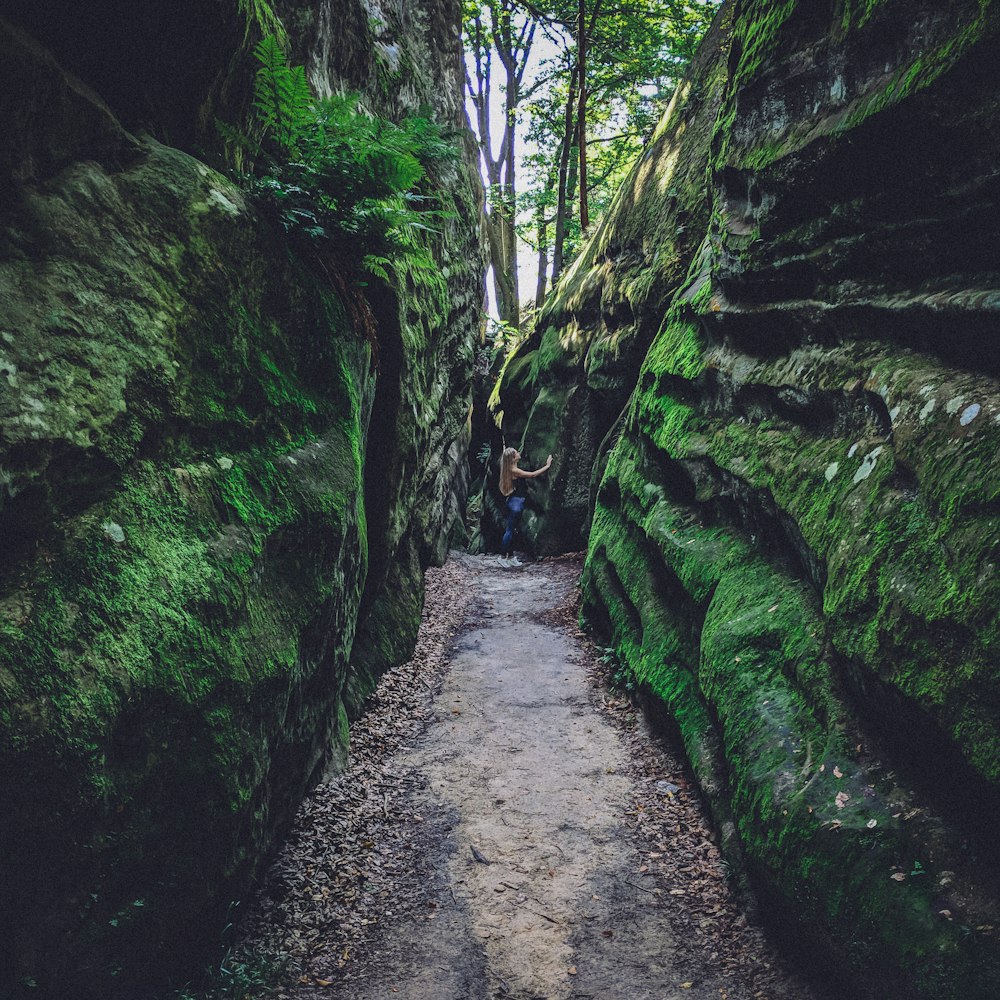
(346, 864)
(335, 876)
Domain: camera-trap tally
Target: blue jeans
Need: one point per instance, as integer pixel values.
(515, 505)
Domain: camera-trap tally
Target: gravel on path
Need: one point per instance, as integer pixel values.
(507, 828)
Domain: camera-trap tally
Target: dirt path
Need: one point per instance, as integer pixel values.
(537, 845)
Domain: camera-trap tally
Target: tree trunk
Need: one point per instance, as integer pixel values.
(581, 115)
(574, 163)
(542, 225)
(564, 197)
(505, 290)
(509, 200)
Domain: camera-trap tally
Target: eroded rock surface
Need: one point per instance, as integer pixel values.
(203, 481)
(794, 541)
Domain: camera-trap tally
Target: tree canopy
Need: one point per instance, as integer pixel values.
(553, 150)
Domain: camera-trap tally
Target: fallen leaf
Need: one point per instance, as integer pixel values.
(686, 986)
(571, 970)
(872, 823)
(898, 876)
(842, 799)
(837, 773)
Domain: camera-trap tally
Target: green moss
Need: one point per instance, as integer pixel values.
(679, 347)
(925, 68)
(733, 646)
(281, 390)
(893, 569)
(857, 13)
(262, 19)
(173, 613)
(758, 35)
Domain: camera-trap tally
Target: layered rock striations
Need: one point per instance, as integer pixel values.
(794, 540)
(206, 489)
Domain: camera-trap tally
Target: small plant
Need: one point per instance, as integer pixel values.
(335, 177)
(618, 674)
(237, 977)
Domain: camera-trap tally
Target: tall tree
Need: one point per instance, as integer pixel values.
(499, 28)
(564, 196)
(589, 94)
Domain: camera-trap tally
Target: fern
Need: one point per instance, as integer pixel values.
(333, 176)
(261, 15)
(378, 266)
(282, 98)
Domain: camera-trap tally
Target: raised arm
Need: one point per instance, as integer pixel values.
(524, 474)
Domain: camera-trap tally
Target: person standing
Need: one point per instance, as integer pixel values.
(512, 487)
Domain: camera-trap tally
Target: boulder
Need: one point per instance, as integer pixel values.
(793, 542)
(199, 464)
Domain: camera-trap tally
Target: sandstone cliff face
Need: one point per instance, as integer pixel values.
(206, 489)
(404, 57)
(794, 541)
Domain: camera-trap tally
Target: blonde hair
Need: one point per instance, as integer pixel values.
(506, 471)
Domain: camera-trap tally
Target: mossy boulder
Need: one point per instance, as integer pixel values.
(794, 538)
(195, 479)
(185, 554)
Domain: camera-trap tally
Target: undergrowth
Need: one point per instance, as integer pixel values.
(237, 977)
(336, 179)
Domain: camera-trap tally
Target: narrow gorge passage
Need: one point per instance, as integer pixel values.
(540, 845)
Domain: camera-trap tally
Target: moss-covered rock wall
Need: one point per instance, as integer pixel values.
(206, 488)
(794, 540)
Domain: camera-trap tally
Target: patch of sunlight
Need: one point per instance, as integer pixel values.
(572, 337)
(680, 97)
(666, 165)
